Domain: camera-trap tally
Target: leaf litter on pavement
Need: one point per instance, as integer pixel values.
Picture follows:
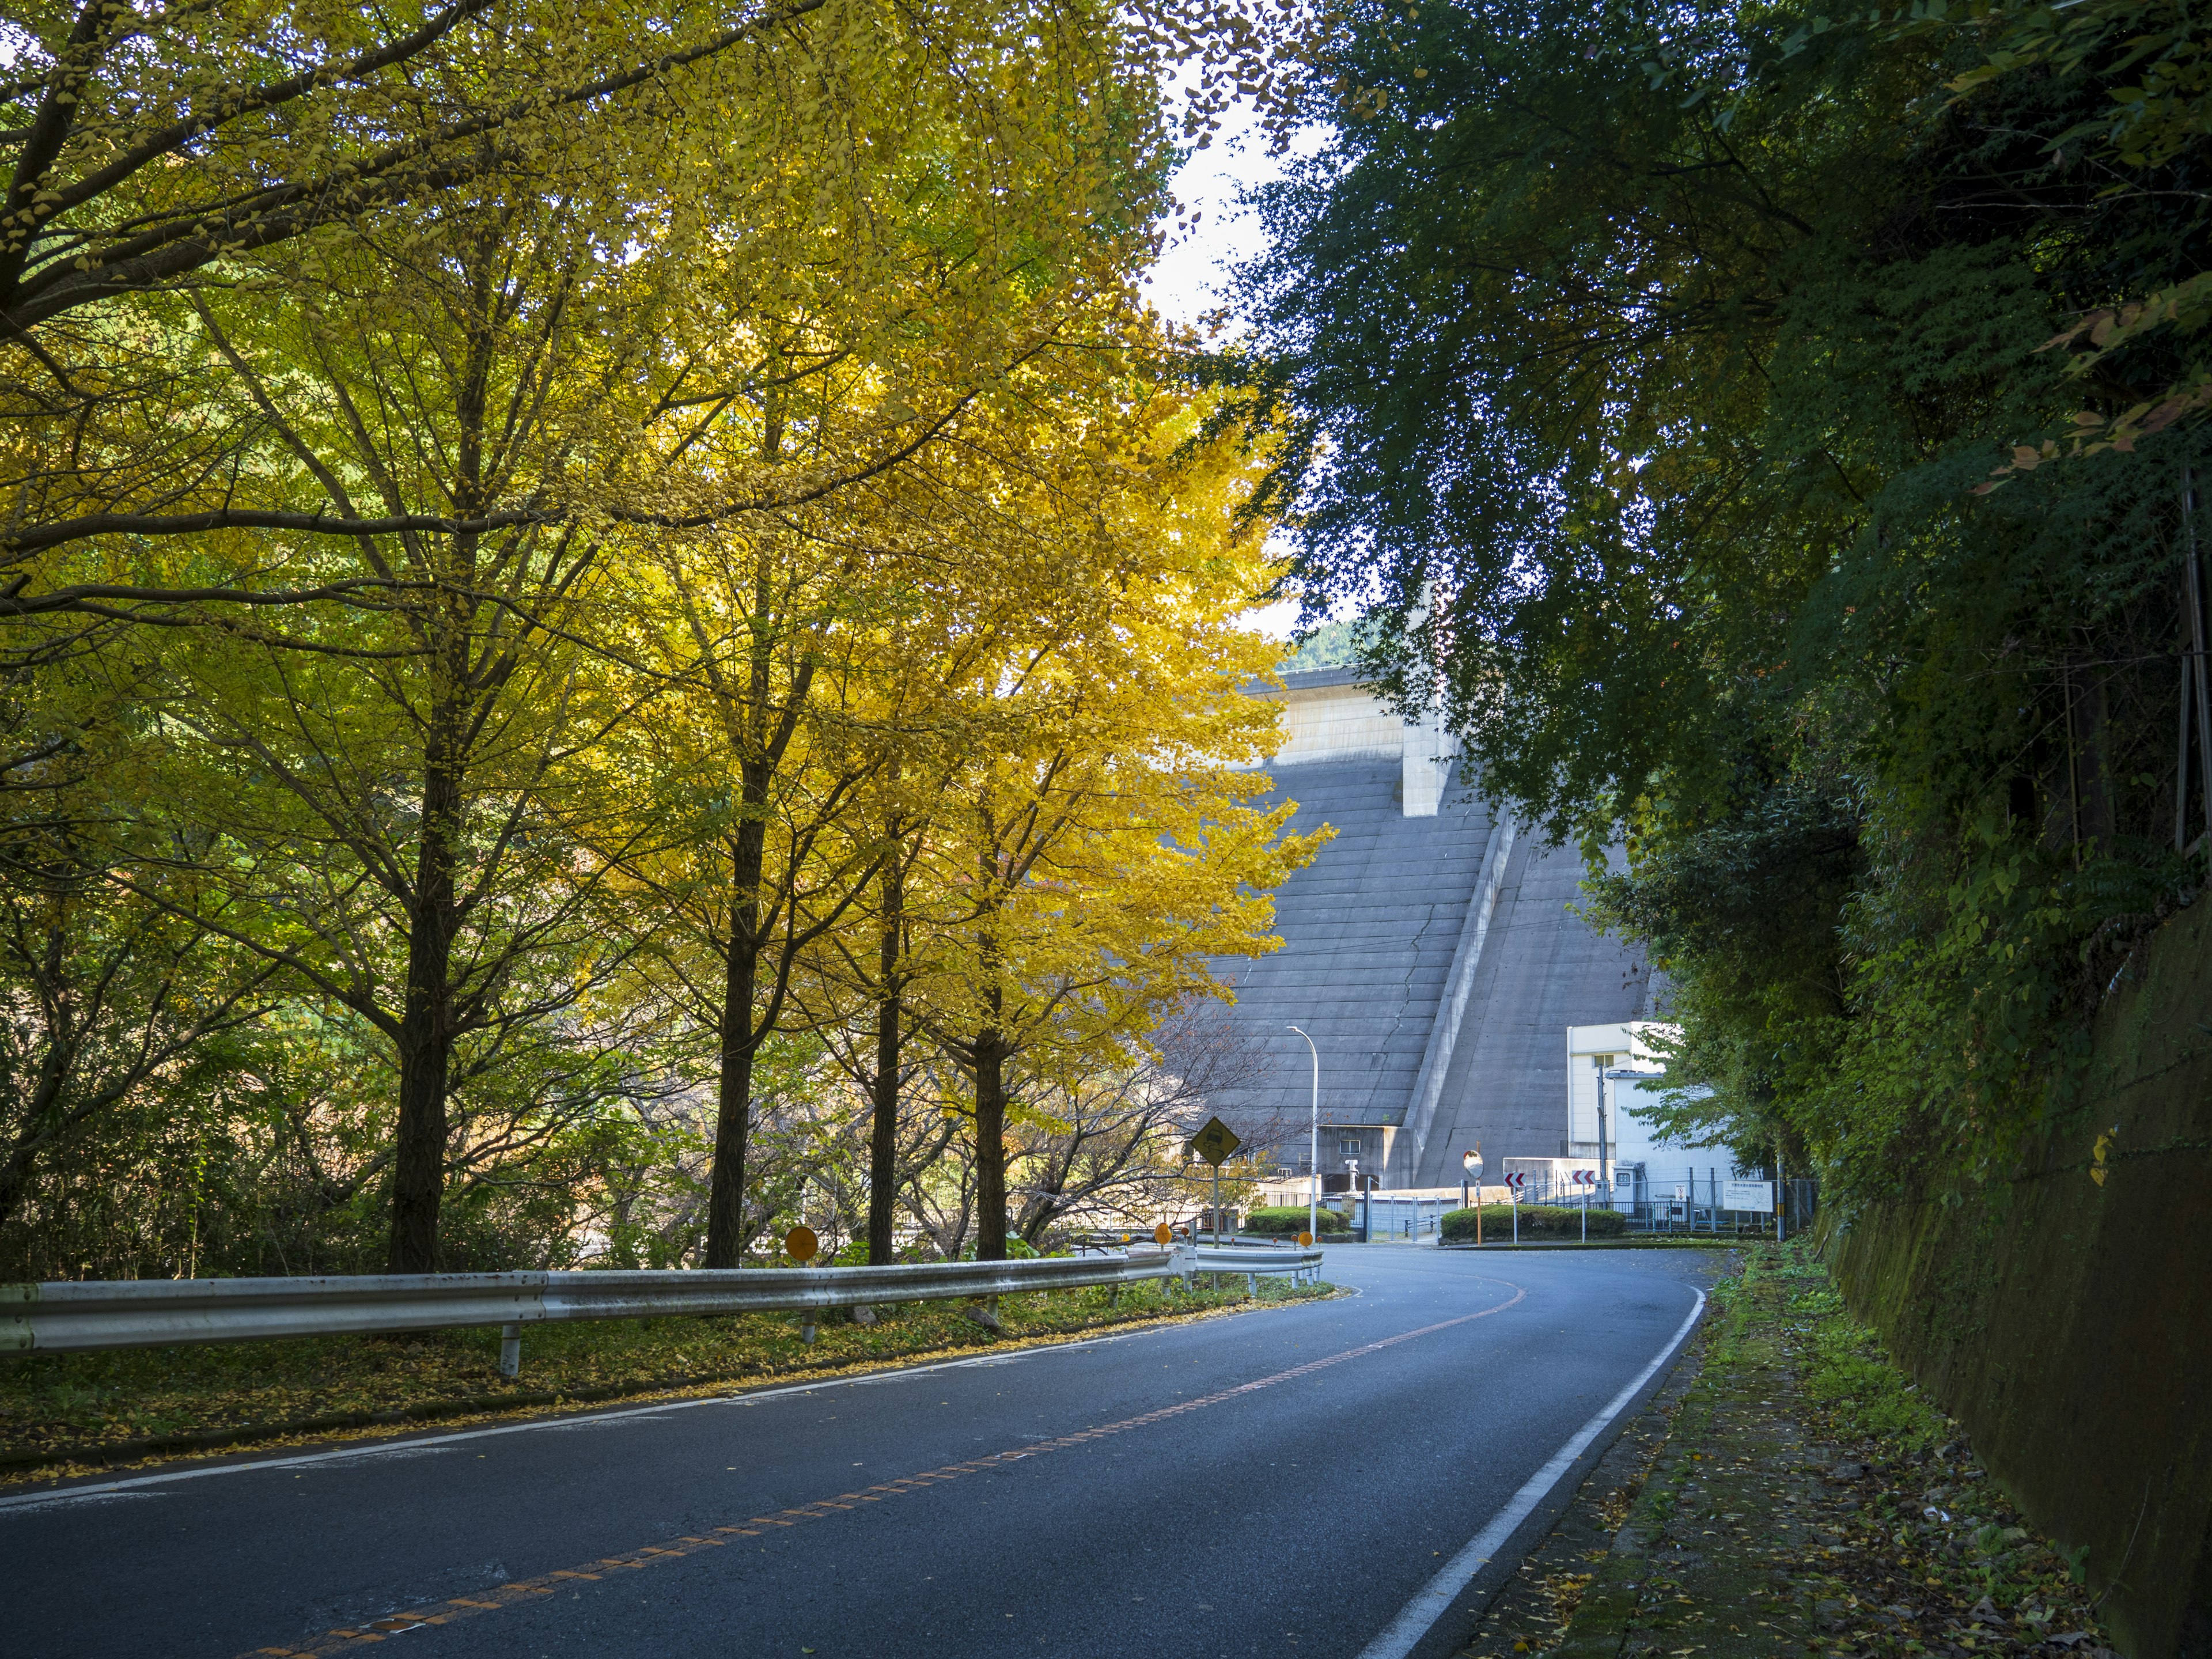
(1790, 1493)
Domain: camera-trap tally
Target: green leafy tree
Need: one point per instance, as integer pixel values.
(1669, 352)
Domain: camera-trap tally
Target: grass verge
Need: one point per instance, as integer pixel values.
(63, 1414)
(1798, 1498)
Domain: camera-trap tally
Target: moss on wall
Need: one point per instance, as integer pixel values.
(2068, 1323)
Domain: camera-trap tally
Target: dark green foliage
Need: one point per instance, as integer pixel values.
(1289, 1221)
(1332, 645)
(1537, 1221)
(1670, 353)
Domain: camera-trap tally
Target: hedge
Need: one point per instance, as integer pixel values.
(1537, 1221)
(1290, 1221)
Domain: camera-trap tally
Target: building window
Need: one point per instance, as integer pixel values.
(1349, 1144)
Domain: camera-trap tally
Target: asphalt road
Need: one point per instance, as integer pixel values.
(1287, 1481)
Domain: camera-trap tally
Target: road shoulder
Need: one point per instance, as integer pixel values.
(1788, 1494)
(69, 1417)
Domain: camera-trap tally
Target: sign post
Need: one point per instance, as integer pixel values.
(800, 1244)
(1747, 1197)
(1214, 1143)
(1471, 1162)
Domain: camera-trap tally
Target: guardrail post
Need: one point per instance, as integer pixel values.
(510, 1350)
(807, 1331)
(1252, 1285)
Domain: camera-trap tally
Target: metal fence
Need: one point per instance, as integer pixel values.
(1694, 1200)
(1377, 1218)
(1653, 1198)
(78, 1316)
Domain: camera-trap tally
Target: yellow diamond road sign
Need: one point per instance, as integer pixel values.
(1214, 1142)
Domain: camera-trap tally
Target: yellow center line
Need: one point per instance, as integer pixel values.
(523, 1589)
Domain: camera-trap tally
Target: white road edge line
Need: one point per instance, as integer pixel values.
(1419, 1615)
(438, 1442)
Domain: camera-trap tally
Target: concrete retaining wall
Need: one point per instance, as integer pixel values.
(2069, 1325)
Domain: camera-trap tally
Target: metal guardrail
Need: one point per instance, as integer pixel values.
(77, 1316)
(1303, 1264)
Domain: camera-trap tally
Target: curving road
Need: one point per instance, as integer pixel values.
(1327, 1478)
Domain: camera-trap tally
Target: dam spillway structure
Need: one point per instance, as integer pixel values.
(1431, 949)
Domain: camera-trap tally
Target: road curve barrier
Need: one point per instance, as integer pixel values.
(76, 1316)
(1303, 1264)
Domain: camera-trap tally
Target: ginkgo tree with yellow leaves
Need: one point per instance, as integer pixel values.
(1090, 837)
(906, 726)
(583, 539)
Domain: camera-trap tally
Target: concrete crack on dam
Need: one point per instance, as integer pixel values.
(1405, 988)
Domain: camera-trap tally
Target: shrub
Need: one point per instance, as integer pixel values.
(1537, 1221)
(1290, 1220)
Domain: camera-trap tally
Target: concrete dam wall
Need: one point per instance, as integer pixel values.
(1430, 951)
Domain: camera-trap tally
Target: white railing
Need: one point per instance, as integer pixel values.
(74, 1317)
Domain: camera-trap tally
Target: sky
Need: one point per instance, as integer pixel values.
(1190, 279)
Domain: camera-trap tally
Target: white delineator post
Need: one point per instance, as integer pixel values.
(1312, 1152)
(1604, 1170)
(1781, 1198)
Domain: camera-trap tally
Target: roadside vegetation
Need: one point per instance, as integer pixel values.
(61, 1410)
(616, 631)
(1497, 1223)
(1289, 1220)
(1801, 1497)
(1774, 434)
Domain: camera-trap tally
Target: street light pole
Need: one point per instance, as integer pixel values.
(1313, 1148)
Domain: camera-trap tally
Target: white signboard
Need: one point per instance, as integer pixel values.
(1757, 1195)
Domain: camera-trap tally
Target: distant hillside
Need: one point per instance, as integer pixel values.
(1332, 644)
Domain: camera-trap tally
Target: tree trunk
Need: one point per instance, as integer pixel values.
(42, 1112)
(14, 1182)
(990, 1148)
(2090, 739)
(425, 1026)
(725, 1197)
(882, 1138)
(426, 1023)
